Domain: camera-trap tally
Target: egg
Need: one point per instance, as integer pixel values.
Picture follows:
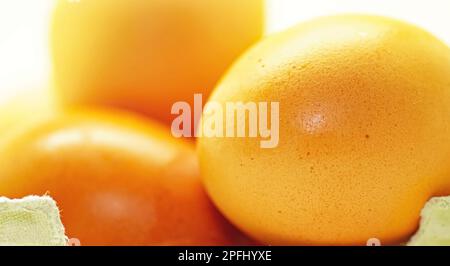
(364, 133)
(146, 55)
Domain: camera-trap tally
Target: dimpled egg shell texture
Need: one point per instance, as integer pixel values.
(364, 137)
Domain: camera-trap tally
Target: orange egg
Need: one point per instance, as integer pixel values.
(145, 55)
(364, 133)
(118, 180)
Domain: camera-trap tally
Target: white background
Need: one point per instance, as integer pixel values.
(24, 51)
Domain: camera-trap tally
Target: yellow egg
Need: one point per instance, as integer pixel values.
(364, 133)
(145, 55)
